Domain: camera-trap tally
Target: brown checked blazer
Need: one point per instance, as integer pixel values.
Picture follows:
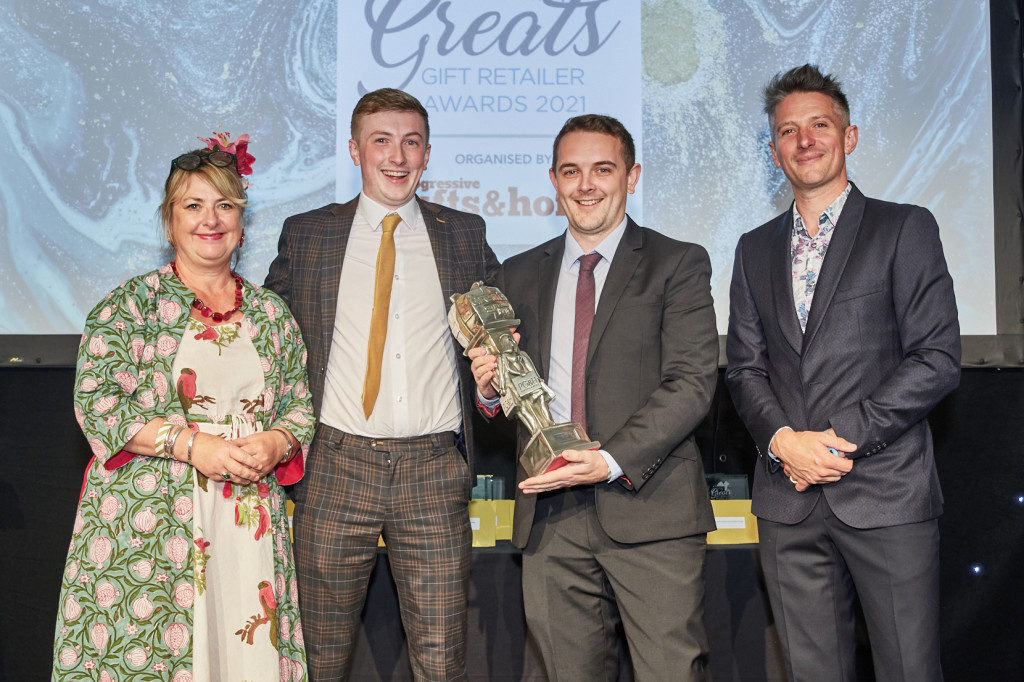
(307, 272)
(651, 371)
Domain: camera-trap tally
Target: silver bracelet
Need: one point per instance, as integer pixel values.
(171, 440)
(191, 439)
(289, 452)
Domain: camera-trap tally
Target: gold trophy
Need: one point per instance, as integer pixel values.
(484, 317)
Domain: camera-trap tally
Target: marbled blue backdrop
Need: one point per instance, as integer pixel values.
(96, 97)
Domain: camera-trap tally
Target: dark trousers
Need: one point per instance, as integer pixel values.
(814, 571)
(579, 585)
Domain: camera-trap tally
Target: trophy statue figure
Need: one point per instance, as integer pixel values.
(483, 317)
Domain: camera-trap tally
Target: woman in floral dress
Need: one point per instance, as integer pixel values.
(191, 390)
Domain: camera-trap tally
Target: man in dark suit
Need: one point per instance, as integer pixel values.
(843, 335)
(619, 534)
(368, 282)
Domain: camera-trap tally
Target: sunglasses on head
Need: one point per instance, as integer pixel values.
(191, 161)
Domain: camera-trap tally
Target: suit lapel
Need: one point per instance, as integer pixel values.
(781, 275)
(330, 258)
(440, 243)
(624, 263)
(548, 268)
(839, 249)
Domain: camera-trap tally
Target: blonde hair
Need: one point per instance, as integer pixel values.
(225, 180)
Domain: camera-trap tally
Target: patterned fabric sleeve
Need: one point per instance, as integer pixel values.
(490, 408)
(293, 404)
(121, 383)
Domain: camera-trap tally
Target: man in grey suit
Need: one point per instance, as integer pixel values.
(843, 335)
(616, 535)
(368, 282)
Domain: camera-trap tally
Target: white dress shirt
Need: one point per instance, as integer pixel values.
(563, 324)
(419, 380)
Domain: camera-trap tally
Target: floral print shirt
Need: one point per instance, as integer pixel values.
(808, 253)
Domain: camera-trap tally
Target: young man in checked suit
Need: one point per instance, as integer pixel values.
(368, 282)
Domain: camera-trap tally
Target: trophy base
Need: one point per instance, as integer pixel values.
(543, 452)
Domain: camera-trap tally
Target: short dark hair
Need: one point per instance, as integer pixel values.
(387, 99)
(806, 78)
(597, 123)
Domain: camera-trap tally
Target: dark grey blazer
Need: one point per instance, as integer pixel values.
(881, 348)
(651, 372)
(307, 271)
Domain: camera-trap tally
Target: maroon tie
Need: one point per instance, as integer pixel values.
(581, 336)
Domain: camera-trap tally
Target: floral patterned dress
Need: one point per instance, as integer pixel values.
(172, 576)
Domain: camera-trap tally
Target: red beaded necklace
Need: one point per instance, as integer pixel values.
(198, 304)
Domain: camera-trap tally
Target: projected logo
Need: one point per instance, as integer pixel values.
(498, 80)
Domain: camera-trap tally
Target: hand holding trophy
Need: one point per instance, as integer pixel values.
(483, 317)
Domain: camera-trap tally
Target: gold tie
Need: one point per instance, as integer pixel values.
(385, 275)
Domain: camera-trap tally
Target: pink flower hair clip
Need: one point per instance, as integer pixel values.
(238, 149)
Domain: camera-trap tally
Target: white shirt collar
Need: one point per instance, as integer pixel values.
(374, 213)
(606, 248)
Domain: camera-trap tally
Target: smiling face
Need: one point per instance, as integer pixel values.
(204, 226)
(810, 142)
(391, 152)
(591, 182)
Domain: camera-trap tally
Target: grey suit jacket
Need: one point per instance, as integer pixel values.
(881, 348)
(651, 374)
(307, 272)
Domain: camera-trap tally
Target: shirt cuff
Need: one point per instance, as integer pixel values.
(489, 406)
(614, 470)
(774, 436)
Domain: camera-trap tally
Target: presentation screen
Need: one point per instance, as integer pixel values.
(97, 98)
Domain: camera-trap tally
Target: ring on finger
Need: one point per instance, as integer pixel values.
(792, 480)
(226, 475)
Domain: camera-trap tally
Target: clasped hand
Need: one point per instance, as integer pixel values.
(247, 459)
(806, 459)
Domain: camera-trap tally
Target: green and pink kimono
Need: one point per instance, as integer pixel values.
(170, 575)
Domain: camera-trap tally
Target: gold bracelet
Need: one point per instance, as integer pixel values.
(161, 438)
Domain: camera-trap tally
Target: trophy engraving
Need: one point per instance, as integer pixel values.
(484, 317)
